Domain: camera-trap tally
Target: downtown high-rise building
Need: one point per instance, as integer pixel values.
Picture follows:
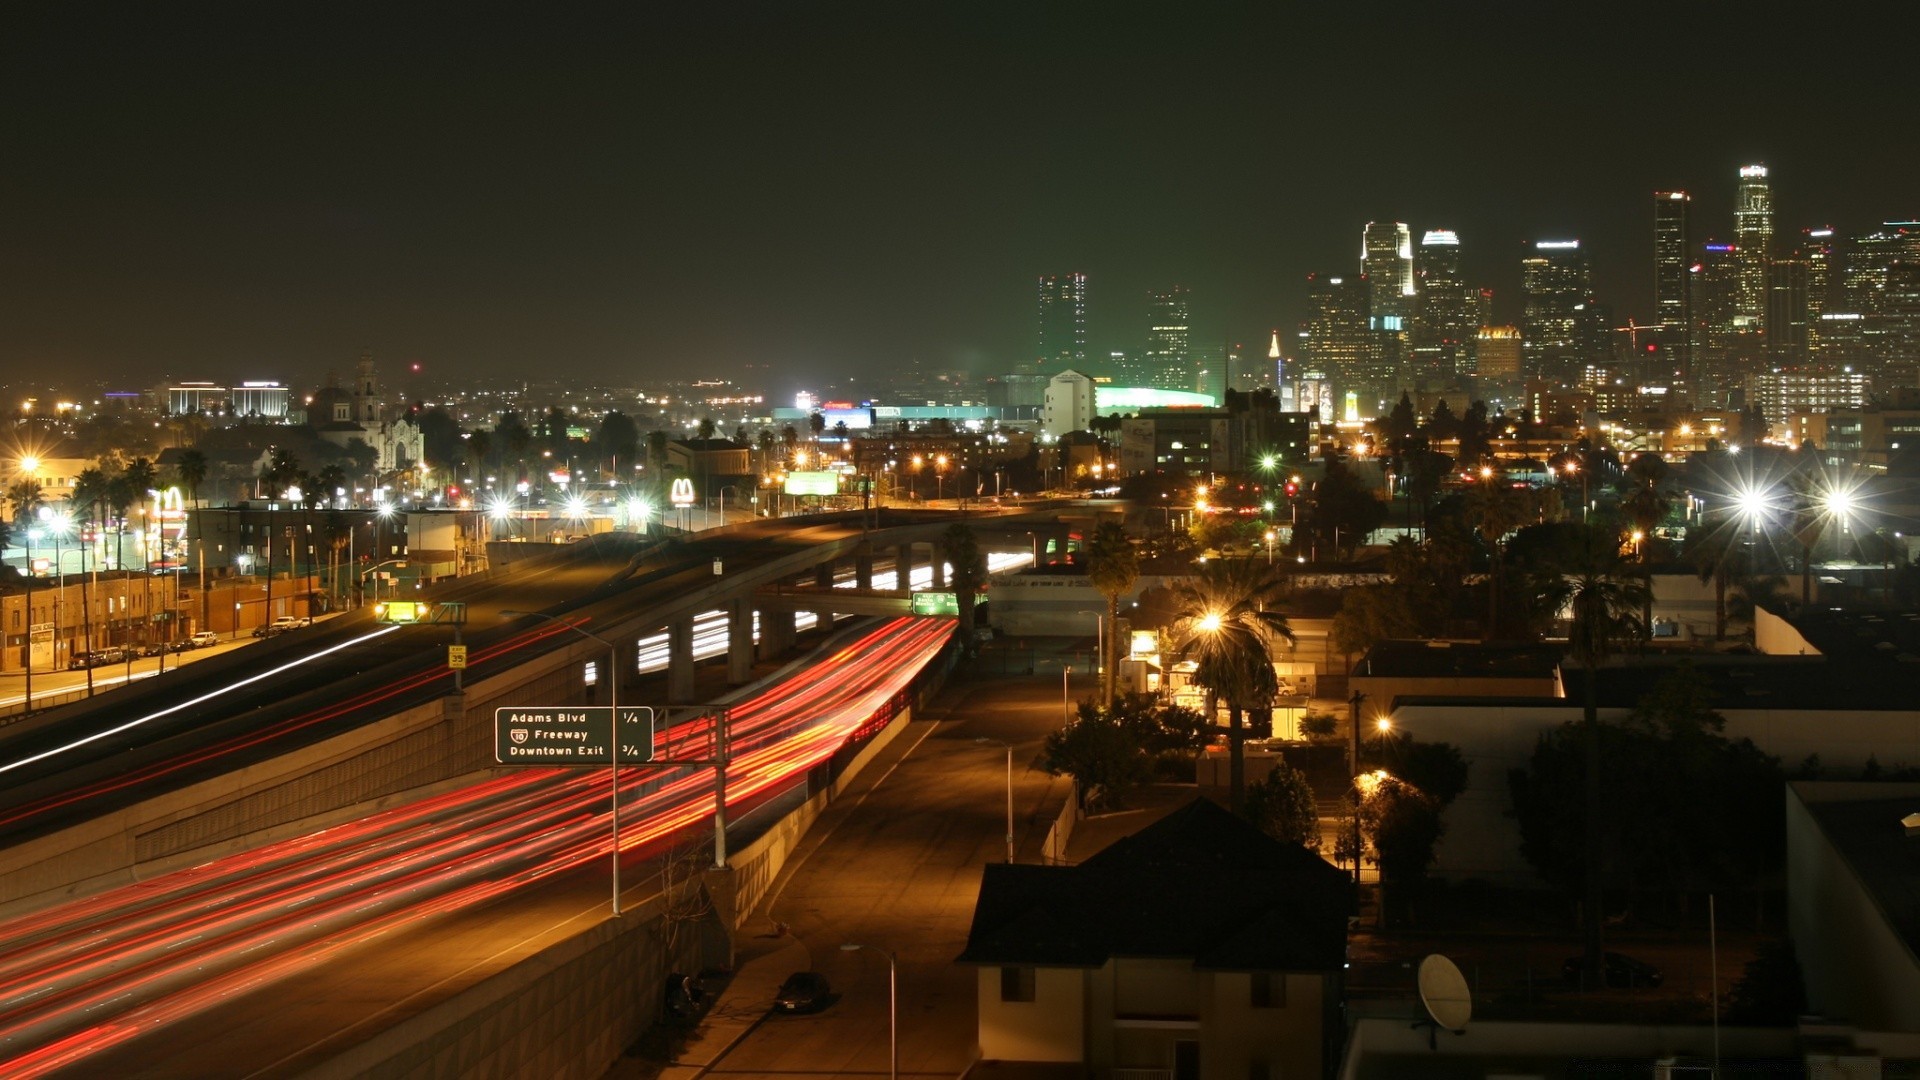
(1449, 311)
(1386, 258)
(1672, 276)
(1787, 308)
(1556, 282)
(1334, 338)
(1168, 362)
(1753, 243)
(1062, 318)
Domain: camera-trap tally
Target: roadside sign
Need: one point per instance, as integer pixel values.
(571, 736)
(457, 657)
(681, 492)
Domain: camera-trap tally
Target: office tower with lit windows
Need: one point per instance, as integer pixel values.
(1449, 312)
(1169, 324)
(1753, 241)
(1557, 282)
(1672, 263)
(1386, 258)
(1062, 311)
(1787, 305)
(1334, 336)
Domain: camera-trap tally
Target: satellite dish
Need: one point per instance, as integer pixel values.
(1445, 996)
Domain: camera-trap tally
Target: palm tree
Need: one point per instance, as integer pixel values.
(329, 480)
(1606, 594)
(25, 497)
(1113, 566)
(962, 549)
(1496, 510)
(191, 469)
(1226, 623)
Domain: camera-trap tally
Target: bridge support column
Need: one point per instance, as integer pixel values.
(776, 632)
(739, 642)
(863, 570)
(939, 568)
(680, 661)
(823, 579)
(903, 567)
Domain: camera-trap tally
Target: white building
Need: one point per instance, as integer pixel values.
(1068, 405)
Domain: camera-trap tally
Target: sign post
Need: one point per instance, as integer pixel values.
(581, 737)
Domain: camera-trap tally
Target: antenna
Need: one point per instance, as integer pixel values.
(1445, 996)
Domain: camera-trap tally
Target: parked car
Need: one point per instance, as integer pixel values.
(1621, 971)
(803, 992)
(153, 648)
(203, 639)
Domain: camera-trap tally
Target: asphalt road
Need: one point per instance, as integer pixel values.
(222, 713)
(896, 865)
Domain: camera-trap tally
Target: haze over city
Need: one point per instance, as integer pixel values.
(227, 190)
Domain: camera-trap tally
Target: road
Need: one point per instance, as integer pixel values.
(212, 717)
(896, 865)
(82, 983)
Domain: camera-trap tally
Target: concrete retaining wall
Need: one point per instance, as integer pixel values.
(567, 1012)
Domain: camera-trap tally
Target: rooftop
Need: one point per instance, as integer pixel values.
(1868, 834)
(1458, 660)
(1269, 906)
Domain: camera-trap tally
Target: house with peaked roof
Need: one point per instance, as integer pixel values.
(1197, 948)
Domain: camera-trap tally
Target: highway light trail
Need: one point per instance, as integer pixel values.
(106, 733)
(86, 976)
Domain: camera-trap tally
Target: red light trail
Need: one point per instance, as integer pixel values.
(82, 977)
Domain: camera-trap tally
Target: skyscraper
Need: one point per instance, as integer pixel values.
(1062, 314)
(1672, 264)
(1753, 242)
(1449, 315)
(1557, 280)
(1333, 339)
(1169, 365)
(1386, 257)
(1787, 304)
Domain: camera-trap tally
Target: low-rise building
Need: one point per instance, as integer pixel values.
(1197, 947)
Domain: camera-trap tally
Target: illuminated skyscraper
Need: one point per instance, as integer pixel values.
(1787, 304)
(1333, 339)
(1449, 311)
(1672, 263)
(1753, 241)
(1386, 257)
(1557, 280)
(1063, 321)
(1169, 364)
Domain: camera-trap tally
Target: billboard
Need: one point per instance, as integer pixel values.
(813, 483)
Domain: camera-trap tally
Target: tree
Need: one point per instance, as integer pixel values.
(1101, 755)
(1495, 510)
(617, 439)
(439, 437)
(191, 471)
(962, 550)
(707, 428)
(1283, 807)
(89, 495)
(1225, 623)
(24, 500)
(516, 439)
(1439, 770)
(1113, 567)
(1371, 614)
(475, 452)
(1339, 514)
(1402, 824)
(1605, 595)
(657, 452)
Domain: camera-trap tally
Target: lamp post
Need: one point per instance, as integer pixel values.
(613, 745)
(893, 1007)
(26, 706)
(1353, 769)
(983, 740)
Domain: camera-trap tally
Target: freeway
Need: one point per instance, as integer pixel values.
(218, 715)
(84, 978)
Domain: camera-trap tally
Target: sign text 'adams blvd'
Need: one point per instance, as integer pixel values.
(571, 736)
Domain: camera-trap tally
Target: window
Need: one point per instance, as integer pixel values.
(1269, 990)
(1016, 984)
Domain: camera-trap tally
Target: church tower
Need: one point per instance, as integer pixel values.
(366, 396)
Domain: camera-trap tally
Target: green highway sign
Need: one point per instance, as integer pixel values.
(545, 735)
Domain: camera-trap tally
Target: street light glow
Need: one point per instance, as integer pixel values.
(1210, 623)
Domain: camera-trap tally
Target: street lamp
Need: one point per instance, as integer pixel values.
(893, 1007)
(983, 740)
(1353, 769)
(613, 747)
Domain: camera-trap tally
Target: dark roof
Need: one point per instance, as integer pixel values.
(1198, 884)
(1758, 682)
(1867, 833)
(1877, 637)
(709, 446)
(1457, 660)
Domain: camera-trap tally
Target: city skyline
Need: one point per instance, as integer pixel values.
(222, 200)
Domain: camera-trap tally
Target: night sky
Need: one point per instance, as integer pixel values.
(654, 189)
